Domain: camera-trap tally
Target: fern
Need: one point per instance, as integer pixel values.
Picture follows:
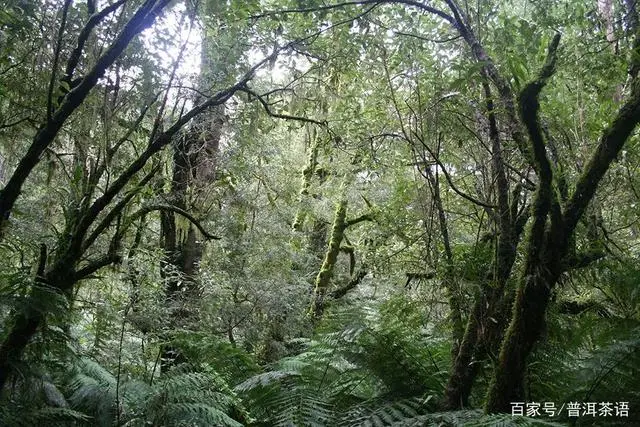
(193, 398)
(587, 357)
(377, 370)
(195, 414)
(93, 391)
(404, 412)
(179, 398)
(506, 420)
(17, 416)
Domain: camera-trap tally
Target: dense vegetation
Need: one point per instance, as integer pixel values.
(315, 213)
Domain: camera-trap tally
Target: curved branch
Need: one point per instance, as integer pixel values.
(265, 105)
(170, 208)
(56, 58)
(142, 18)
(411, 3)
(355, 281)
(96, 265)
(117, 209)
(93, 21)
(448, 177)
(361, 218)
(529, 109)
(611, 143)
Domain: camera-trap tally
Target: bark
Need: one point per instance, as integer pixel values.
(464, 367)
(485, 326)
(325, 274)
(307, 177)
(194, 168)
(195, 156)
(524, 331)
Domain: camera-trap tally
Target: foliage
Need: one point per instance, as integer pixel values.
(180, 169)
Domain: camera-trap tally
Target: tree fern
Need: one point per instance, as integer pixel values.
(93, 391)
(179, 398)
(373, 371)
(17, 416)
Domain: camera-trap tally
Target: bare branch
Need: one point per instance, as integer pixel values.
(427, 39)
(448, 177)
(56, 58)
(170, 208)
(267, 109)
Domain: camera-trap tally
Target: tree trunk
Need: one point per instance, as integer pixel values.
(450, 283)
(524, 331)
(307, 177)
(331, 256)
(194, 167)
(47, 132)
(489, 317)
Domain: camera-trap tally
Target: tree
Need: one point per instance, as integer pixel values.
(58, 272)
(384, 212)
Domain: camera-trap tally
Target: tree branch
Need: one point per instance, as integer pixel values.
(170, 208)
(155, 145)
(143, 17)
(117, 209)
(448, 177)
(415, 4)
(265, 105)
(529, 108)
(584, 259)
(361, 218)
(355, 281)
(96, 265)
(56, 58)
(93, 21)
(611, 142)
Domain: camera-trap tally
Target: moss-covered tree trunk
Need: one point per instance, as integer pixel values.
(307, 177)
(323, 279)
(489, 315)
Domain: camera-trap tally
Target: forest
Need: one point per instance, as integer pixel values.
(319, 213)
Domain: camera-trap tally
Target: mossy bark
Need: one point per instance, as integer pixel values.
(526, 327)
(323, 279)
(307, 177)
(486, 323)
(463, 371)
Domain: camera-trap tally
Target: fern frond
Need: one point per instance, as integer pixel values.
(507, 420)
(401, 412)
(301, 407)
(197, 414)
(265, 379)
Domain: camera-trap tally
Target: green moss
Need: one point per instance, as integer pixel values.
(333, 249)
